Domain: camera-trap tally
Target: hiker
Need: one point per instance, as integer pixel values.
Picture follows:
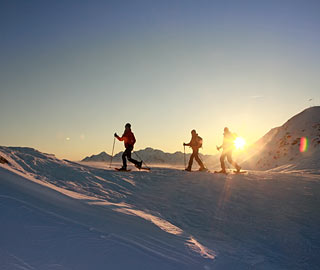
(227, 146)
(129, 141)
(195, 144)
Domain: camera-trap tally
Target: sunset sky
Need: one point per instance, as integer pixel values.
(74, 72)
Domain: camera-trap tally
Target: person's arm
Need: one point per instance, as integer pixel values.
(187, 144)
(119, 138)
(221, 146)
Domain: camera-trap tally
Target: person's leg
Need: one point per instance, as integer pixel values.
(196, 156)
(222, 158)
(135, 162)
(230, 160)
(190, 162)
(124, 160)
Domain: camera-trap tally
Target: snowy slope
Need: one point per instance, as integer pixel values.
(280, 148)
(58, 214)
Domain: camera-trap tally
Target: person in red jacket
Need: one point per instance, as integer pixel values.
(195, 144)
(129, 141)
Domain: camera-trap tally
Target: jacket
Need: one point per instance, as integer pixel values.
(128, 138)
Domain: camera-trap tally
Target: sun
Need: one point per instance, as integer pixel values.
(239, 143)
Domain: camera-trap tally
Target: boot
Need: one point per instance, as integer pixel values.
(123, 169)
(188, 169)
(203, 169)
(139, 164)
(238, 168)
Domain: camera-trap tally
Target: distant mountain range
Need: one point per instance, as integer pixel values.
(151, 156)
(280, 149)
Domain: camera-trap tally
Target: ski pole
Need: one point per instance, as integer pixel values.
(184, 156)
(142, 160)
(114, 140)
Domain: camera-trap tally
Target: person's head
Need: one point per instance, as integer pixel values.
(193, 132)
(127, 126)
(226, 131)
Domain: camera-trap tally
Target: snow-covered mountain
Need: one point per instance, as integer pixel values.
(152, 156)
(282, 147)
(102, 157)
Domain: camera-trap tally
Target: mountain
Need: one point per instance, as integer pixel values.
(151, 156)
(102, 157)
(282, 147)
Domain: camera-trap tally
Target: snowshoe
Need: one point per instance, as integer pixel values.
(145, 168)
(122, 169)
(240, 172)
(221, 171)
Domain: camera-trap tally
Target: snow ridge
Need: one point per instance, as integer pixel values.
(280, 148)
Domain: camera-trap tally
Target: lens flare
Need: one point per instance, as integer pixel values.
(303, 144)
(239, 143)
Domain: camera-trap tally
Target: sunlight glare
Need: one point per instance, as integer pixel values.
(239, 143)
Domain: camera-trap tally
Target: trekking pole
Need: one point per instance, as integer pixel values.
(142, 161)
(184, 156)
(114, 140)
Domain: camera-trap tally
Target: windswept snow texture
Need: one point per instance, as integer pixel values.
(57, 214)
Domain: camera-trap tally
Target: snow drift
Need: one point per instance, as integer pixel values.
(57, 214)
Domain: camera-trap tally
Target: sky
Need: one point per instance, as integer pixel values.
(72, 73)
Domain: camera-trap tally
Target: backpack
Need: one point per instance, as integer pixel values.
(132, 139)
(199, 142)
(234, 136)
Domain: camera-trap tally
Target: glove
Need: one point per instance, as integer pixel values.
(116, 135)
(218, 148)
(184, 144)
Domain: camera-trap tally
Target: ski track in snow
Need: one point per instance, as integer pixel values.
(164, 219)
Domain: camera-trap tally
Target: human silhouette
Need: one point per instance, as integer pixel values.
(129, 141)
(195, 144)
(227, 146)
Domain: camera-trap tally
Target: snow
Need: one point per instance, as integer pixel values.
(58, 214)
(279, 149)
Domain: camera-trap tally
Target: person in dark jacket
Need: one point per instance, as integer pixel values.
(195, 144)
(227, 146)
(129, 141)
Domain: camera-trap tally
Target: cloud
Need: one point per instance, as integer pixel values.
(256, 97)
